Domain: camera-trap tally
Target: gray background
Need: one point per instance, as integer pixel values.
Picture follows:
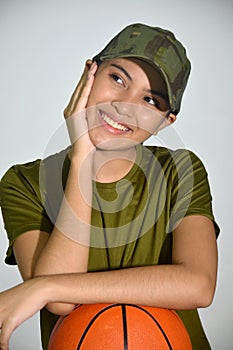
(43, 46)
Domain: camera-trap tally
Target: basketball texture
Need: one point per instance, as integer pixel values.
(119, 327)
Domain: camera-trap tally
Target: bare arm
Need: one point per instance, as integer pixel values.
(27, 248)
(189, 282)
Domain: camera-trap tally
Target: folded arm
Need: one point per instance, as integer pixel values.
(189, 282)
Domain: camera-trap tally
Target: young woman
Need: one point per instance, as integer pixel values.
(108, 219)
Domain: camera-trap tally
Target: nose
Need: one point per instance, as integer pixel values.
(125, 108)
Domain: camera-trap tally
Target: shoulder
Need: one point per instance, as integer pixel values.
(18, 180)
(178, 159)
(20, 171)
(26, 176)
(168, 153)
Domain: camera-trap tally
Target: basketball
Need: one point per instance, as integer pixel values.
(119, 327)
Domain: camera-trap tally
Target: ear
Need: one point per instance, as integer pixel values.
(170, 119)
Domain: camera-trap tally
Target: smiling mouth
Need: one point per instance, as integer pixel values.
(113, 123)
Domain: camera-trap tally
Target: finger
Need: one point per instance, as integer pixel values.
(83, 99)
(70, 109)
(78, 91)
(5, 334)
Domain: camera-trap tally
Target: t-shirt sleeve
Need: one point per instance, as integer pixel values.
(21, 204)
(191, 194)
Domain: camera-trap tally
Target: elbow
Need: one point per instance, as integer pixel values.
(206, 299)
(204, 290)
(60, 309)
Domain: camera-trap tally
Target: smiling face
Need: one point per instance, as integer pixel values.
(128, 102)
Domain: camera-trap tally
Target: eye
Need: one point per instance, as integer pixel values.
(152, 100)
(117, 78)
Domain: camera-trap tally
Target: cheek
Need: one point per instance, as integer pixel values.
(100, 93)
(149, 122)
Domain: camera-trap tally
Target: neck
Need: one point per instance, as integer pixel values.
(111, 166)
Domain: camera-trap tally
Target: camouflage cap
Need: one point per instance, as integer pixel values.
(158, 47)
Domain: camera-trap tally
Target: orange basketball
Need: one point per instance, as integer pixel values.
(120, 327)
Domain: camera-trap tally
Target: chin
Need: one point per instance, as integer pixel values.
(116, 144)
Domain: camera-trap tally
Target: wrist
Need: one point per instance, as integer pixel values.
(80, 153)
(53, 291)
(45, 286)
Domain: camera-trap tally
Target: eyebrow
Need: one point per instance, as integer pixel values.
(159, 94)
(122, 69)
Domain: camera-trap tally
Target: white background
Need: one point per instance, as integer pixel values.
(43, 46)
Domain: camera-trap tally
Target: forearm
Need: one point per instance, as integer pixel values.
(167, 286)
(67, 249)
(74, 217)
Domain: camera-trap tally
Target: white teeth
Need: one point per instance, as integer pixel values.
(113, 123)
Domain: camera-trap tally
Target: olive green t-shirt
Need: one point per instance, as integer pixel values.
(132, 219)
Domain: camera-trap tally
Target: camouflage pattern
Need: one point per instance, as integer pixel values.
(157, 46)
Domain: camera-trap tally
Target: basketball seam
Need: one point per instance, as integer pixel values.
(91, 323)
(123, 307)
(157, 323)
(125, 333)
